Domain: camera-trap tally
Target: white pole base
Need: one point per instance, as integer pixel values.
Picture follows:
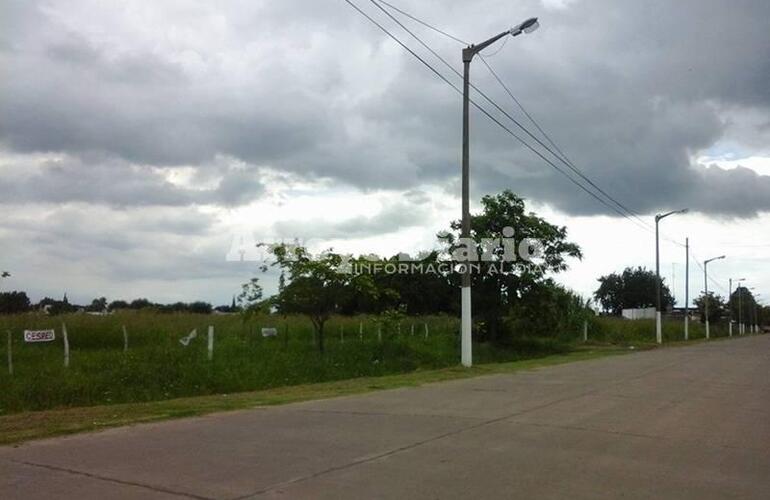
(686, 328)
(708, 333)
(658, 327)
(465, 334)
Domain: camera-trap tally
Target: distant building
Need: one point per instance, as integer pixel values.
(634, 314)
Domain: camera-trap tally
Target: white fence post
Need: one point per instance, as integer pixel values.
(125, 339)
(585, 331)
(66, 346)
(361, 331)
(412, 329)
(426, 330)
(10, 353)
(211, 342)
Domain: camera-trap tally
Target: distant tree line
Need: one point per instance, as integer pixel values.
(635, 288)
(18, 302)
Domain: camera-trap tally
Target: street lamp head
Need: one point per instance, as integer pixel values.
(527, 26)
(673, 212)
(530, 25)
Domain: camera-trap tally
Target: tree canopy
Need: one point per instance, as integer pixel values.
(634, 288)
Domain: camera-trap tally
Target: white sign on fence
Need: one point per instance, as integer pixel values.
(39, 335)
(269, 332)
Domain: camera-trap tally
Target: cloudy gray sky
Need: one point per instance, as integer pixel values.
(137, 138)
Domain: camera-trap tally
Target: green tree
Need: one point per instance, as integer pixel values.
(118, 304)
(140, 304)
(741, 305)
(634, 288)
(716, 304)
(251, 294)
(14, 302)
(501, 282)
(199, 307)
(425, 289)
(315, 285)
(550, 310)
(98, 305)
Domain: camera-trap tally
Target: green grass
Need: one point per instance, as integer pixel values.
(156, 367)
(27, 426)
(642, 332)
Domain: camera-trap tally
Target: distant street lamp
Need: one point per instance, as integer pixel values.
(687, 289)
(706, 297)
(469, 52)
(658, 309)
(756, 313)
(741, 329)
(730, 302)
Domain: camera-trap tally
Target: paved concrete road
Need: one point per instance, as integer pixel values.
(690, 422)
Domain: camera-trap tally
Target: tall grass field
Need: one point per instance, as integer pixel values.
(156, 366)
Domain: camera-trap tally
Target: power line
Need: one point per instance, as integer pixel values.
(629, 214)
(413, 18)
(494, 104)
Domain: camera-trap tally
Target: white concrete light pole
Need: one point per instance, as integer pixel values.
(740, 306)
(469, 52)
(706, 297)
(756, 313)
(730, 305)
(658, 309)
(687, 290)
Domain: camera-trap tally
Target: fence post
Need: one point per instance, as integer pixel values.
(66, 346)
(585, 330)
(10, 353)
(426, 330)
(211, 342)
(361, 331)
(125, 339)
(412, 329)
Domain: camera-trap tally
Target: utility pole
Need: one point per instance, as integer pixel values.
(706, 298)
(732, 315)
(687, 290)
(469, 52)
(756, 314)
(740, 310)
(730, 305)
(658, 310)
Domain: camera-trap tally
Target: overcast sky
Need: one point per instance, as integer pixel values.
(138, 138)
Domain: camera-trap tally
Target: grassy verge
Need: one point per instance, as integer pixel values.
(28, 426)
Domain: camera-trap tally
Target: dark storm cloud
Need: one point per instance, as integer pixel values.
(117, 183)
(630, 90)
